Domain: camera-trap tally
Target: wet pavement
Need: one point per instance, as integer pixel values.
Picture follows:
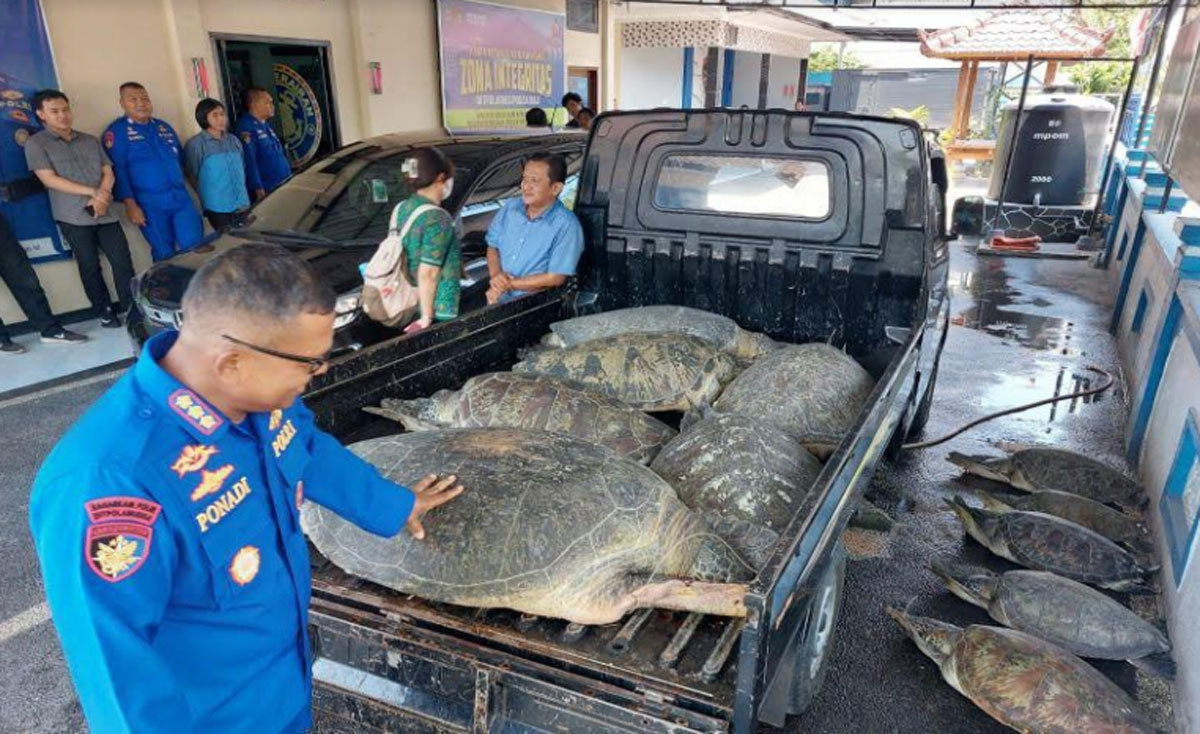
(1022, 329)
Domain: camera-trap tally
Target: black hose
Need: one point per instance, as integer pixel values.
(1018, 409)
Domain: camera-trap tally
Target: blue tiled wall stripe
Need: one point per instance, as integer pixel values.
(1115, 225)
(1127, 275)
(689, 59)
(727, 79)
(1144, 405)
(1179, 529)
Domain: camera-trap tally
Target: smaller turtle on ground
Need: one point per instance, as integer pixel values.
(1034, 469)
(720, 331)
(1071, 615)
(653, 371)
(1048, 543)
(813, 391)
(1022, 681)
(1112, 524)
(505, 399)
(741, 467)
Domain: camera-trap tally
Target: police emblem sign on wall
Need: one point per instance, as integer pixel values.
(26, 65)
(299, 114)
(497, 62)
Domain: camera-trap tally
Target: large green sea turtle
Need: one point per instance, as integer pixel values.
(1112, 524)
(1022, 681)
(740, 467)
(1048, 543)
(1073, 616)
(1033, 469)
(720, 331)
(548, 525)
(538, 402)
(813, 391)
(654, 371)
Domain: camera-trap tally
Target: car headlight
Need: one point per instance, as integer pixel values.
(347, 308)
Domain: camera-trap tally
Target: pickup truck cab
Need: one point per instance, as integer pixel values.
(805, 226)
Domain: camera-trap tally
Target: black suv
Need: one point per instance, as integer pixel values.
(334, 214)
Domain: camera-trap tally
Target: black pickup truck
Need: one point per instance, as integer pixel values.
(808, 227)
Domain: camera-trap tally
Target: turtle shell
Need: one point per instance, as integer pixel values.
(654, 371)
(1112, 524)
(1076, 617)
(548, 524)
(1046, 468)
(1047, 543)
(720, 331)
(543, 403)
(813, 391)
(1035, 686)
(739, 467)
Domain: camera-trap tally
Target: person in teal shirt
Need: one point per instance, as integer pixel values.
(431, 246)
(213, 161)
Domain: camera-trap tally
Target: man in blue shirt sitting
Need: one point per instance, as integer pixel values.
(534, 242)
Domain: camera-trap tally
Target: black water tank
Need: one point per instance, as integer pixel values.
(1060, 148)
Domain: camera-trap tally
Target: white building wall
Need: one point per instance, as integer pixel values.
(747, 69)
(782, 82)
(651, 77)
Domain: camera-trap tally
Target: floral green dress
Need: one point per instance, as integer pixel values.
(431, 240)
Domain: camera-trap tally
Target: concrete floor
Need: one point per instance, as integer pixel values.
(1023, 329)
(44, 362)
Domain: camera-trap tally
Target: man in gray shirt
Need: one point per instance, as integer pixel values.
(79, 176)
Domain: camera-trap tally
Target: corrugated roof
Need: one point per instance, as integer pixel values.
(1015, 34)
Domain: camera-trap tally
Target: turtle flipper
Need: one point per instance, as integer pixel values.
(726, 600)
(1159, 665)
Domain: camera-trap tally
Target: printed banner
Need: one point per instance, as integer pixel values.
(497, 62)
(26, 65)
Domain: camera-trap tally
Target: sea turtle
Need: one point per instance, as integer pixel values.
(1071, 615)
(1022, 681)
(720, 331)
(1036, 468)
(548, 525)
(1112, 524)
(537, 402)
(740, 467)
(812, 391)
(653, 371)
(1048, 543)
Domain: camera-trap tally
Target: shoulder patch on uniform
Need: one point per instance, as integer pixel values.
(246, 136)
(133, 509)
(195, 411)
(109, 138)
(118, 539)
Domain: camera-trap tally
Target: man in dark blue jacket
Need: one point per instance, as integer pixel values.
(167, 520)
(148, 160)
(267, 164)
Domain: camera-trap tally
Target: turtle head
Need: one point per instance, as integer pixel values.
(993, 503)
(751, 345)
(974, 520)
(974, 585)
(420, 414)
(553, 340)
(998, 468)
(933, 637)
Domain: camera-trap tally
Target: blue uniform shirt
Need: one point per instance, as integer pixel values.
(216, 165)
(551, 243)
(267, 164)
(173, 560)
(148, 164)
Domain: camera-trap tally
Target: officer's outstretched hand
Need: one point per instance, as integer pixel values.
(432, 491)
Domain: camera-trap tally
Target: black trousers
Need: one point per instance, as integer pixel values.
(87, 243)
(222, 221)
(18, 275)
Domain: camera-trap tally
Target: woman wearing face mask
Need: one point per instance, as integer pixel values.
(431, 246)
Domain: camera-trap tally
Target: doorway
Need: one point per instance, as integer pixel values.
(582, 81)
(298, 76)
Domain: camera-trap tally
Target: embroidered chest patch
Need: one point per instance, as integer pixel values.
(244, 566)
(195, 411)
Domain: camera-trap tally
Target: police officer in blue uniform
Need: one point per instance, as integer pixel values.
(267, 164)
(147, 158)
(167, 520)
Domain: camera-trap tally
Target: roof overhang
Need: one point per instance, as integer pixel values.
(761, 30)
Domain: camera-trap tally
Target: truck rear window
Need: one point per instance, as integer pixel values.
(781, 187)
